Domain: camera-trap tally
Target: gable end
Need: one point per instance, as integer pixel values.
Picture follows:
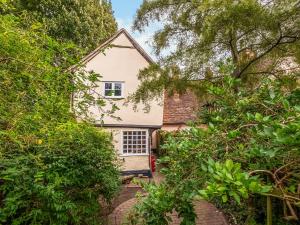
(108, 42)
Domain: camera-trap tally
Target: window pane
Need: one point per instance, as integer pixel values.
(108, 92)
(108, 86)
(118, 86)
(134, 142)
(118, 92)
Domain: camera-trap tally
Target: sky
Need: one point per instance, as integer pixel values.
(124, 11)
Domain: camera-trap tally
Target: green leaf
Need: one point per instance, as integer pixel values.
(266, 189)
(211, 162)
(272, 93)
(258, 117)
(224, 198)
(253, 186)
(204, 168)
(229, 164)
(286, 104)
(228, 175)
(233, 134)
(236, 197)
(203, 193)
(222, 189)
(210, 169)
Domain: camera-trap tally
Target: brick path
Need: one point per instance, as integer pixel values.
(126, 193)
(118, 216)
(207, 214)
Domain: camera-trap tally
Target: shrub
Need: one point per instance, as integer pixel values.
(248, 154)
(56, 177)
(52, 169)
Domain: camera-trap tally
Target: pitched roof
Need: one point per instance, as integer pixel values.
(180, 108)
(108, 42)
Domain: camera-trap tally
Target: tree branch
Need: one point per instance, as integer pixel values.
(277, 43)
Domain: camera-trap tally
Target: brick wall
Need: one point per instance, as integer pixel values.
(180, 108)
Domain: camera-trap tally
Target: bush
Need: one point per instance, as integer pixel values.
(57, 176)
(52, 169)
(250, 152)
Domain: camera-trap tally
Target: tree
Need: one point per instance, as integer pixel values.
(248, 153)
(236, 53)
(257, 36)
(84, 22)
(52, 168)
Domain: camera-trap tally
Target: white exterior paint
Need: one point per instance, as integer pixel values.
(121, 62)
(129, 162)
(123, 65)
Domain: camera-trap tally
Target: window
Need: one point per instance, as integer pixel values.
(113, 89)
(135, 142)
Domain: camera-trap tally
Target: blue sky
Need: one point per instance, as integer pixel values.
(124, 11)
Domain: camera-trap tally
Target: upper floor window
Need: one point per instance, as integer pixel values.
(113, 89)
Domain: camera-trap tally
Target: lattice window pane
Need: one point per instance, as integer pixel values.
(113, 89)
(108, 86)
(135, 142)
(118, 92)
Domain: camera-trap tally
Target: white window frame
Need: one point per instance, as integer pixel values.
(113, 83)
(135, 154)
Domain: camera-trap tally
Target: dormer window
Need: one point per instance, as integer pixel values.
(113, 89)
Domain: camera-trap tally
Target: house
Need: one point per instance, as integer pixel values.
(119, 60)
(179, 109)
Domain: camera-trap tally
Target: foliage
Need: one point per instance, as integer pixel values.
(163, 137)
(31, 81)
(236, 56)
(52, 168)
(84, 22)
(250, 150)
(55, 176)
(259, 37)
(227, 180)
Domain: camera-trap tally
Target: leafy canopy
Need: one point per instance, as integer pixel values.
(246, 54)
(258, 37)
(52, 168)
(84, 22)
(249, 150)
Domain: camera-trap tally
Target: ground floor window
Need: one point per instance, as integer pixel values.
(135, 142)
